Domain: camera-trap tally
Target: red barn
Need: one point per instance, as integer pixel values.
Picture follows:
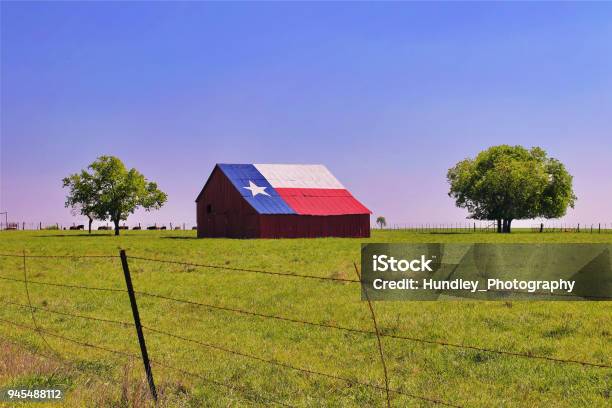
(278, 201)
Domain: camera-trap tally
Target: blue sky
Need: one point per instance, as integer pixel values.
(387, 95)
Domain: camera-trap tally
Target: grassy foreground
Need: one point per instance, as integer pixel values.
(464, 377)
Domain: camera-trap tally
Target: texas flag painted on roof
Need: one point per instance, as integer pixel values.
(304, 189)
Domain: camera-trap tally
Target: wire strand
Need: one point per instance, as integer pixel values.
(117, 322)
(286, 274)
(63, 285)
(59, 256)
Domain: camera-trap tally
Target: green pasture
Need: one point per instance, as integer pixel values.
(464, 377)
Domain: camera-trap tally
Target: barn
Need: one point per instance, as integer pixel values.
(278, 201)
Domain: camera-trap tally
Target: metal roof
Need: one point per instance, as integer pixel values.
(305, 189)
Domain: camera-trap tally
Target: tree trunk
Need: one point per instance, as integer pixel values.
(506, 225)
(499, 225)
(116, 221)
(90, 221)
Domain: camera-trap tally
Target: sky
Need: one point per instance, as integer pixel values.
(387, 95)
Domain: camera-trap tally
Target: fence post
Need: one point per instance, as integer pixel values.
(380, 347)
(141, 339)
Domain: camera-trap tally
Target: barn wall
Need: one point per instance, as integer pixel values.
(230, 216)
(313, 226)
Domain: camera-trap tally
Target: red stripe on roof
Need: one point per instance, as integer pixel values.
(321, 201)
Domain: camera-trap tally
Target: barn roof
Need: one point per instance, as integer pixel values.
(305, 189)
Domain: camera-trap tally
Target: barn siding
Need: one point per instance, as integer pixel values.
(231, 215)
(314, 226)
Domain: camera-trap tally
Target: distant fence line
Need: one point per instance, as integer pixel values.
(33, 226)
(598, 227)
(199, 344)
(578, 227)
(465, 227)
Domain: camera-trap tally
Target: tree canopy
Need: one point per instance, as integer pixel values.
(381, 221)
(506, 183)
(108, 190)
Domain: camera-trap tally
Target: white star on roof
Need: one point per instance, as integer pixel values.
(256, 189)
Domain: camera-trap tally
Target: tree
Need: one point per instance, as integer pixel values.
(381, 221)
(506, 183)
(114, 191)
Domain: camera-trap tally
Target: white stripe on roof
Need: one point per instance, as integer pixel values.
(298, 176)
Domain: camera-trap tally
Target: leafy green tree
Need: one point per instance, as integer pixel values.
(381, 221)
(114, 192)
(506, 183)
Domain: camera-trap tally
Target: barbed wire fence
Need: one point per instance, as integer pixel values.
(377, 333)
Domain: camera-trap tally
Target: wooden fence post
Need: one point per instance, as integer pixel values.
(141, 339)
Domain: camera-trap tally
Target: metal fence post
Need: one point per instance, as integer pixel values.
(141, 339)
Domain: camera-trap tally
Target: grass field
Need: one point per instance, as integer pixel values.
(459, 376)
